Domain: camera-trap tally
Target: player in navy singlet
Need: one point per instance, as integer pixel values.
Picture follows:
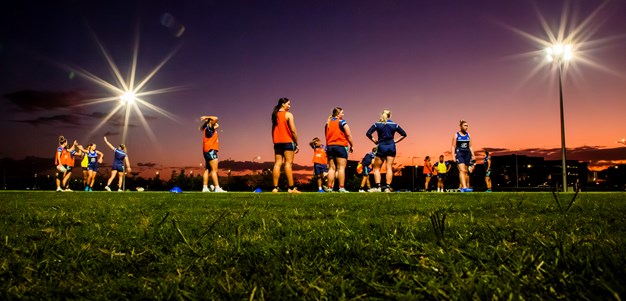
(463, 153)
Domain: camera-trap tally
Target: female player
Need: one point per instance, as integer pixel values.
(463, 153)
(285, 140)
(385, 129)
(210, 147)
(94, 158)
(488, 170)
(120, 159)
(68, 159)
(428, 172)
(338, 144)
(364, 168)
(320, 163)
(59, 162)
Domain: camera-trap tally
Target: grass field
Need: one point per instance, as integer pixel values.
(312, 246)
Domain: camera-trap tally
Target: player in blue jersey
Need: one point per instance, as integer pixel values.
(385, 129)
(120, 159)
(463, 153)
(488, 170)
(94, 158)
(364, 168)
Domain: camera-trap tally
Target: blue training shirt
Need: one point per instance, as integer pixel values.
(385, 131)
(119, 157)
(367, 159)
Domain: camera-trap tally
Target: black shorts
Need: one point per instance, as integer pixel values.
(281, 148)
(337, 151)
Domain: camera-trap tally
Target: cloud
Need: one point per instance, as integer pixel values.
(148, 164)
(32, 101)
(68, 106)
(68, 120)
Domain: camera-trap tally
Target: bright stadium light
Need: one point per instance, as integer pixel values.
(128, 97)
(623, 141)
(560, 54)
(128, 91)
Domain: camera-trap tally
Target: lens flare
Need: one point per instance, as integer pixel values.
(129, 92)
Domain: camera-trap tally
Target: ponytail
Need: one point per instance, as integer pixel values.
(277, 108)
(384, 116)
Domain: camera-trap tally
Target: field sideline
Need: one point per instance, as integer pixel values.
(159, 245)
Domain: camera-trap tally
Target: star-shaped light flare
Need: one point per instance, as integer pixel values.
(128, 92)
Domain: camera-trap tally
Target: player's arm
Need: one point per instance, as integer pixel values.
(80, 147)
(59, 157)
(452, 150)
(369, 133)
(73, 146)
(346, 130)
(402, 133)
(100, 156)
(471, 150)
(108, 143)
(292, 127)
(128, 169)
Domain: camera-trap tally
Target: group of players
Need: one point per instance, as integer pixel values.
(330, 159)
(90, 159)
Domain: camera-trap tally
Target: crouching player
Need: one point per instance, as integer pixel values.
(363, 168)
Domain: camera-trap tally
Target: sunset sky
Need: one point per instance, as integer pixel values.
(430, 62)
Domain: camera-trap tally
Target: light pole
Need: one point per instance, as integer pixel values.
(413, 173)
(255, 158)
(516, 172)
(560, 54)
(128, 99)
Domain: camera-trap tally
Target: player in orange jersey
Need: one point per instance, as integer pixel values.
(428, 172)
(285, 140)
(59, 162)
(210, 147)
(338, 145)
(320, 162)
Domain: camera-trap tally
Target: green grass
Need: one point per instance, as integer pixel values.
(312, 246)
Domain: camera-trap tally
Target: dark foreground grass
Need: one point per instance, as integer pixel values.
(327, 246)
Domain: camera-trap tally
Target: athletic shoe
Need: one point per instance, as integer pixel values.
(90, 189)
(107, 188)
(86, 188)
(206, 189)
(321, 190)
(275, 190)
(68, 190)
(469, 189)
(488, 190)
(212, 188)
(361, 190)
(59, 189)
(388, 189)
(343, 190)
(219, 189)
(327, 189)
(294, 190)
(119, 190)
(374, 190)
